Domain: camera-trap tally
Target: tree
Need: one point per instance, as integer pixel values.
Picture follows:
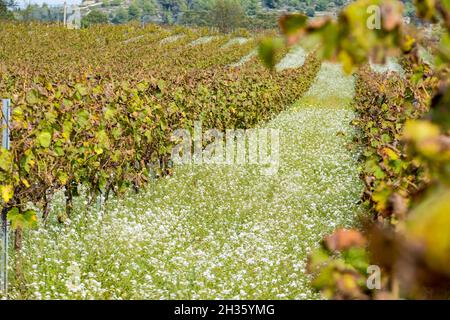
(30, 13)
(310, 12)
(121, 16)
(321, 5)
(272, 4)
(167, 17)
(45, 12)
(134, 12)
(148, 7)
(198, 13)
(173, 9)
(252, 7)
(227, 15)
(298, 4)
(201, 5)
(5, 13)
(94, 17)
(34, 12)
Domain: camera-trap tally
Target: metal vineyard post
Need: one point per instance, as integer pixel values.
(6, 112)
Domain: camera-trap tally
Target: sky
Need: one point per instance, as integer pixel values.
(23, 3)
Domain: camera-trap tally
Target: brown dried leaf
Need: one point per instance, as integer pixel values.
(399, 205)
(343, 239)
(391, 16)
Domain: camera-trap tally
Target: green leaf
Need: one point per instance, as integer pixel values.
(292, 23)
(83, 117)
(110, 113)
(67, 129)
(67, 103)
(6, 159)
(161, 84)
(83, 91)
(22, 220)
(357, 258)
(44, 138)
(267, 50)
(59, 151)
(32, 97)
(102, 137)
(317, 258)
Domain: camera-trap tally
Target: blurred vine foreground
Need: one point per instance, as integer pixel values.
(404, 125)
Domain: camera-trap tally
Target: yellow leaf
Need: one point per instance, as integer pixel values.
(429, 223)
(390, 153)
(419, 130)
(25, 182)
(62, 176)
(98, 150)
(7, 192)
(347, 63)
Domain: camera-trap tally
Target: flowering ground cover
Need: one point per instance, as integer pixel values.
(211, 231)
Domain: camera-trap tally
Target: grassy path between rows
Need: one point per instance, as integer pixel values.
(210, 231)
